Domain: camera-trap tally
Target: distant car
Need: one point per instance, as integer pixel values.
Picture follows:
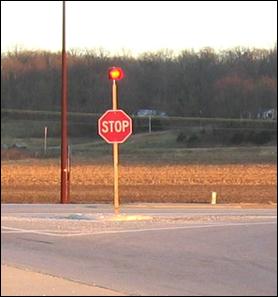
(150, 112)
(269, 114)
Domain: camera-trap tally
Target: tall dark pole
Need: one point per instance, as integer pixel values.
(64, 128)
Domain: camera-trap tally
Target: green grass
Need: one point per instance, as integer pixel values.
(140, 123)
(158, 147)
(27, 127)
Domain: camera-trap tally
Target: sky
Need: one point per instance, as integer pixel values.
(138, 26)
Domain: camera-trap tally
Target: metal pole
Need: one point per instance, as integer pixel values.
(45, 137)
(68, 171)
(116, 152)
(64, 132)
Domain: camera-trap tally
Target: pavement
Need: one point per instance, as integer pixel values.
(148, 249)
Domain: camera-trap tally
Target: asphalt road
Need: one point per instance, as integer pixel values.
(180, 251)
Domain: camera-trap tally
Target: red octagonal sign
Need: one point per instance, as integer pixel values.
(115, 126)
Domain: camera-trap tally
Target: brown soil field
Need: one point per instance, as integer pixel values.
(38, 181)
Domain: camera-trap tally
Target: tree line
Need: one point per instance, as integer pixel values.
(233, 83)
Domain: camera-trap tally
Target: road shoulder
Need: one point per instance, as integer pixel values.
(21, 282)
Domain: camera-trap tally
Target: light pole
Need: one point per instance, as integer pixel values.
(64, 129)
(115, 74)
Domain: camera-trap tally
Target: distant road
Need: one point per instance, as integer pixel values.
(180, 251)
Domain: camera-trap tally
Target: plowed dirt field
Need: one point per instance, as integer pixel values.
(39, 181)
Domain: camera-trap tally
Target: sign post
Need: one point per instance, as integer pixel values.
(115, 152)
(115, 126)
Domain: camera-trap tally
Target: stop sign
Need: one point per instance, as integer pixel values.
(115, 126)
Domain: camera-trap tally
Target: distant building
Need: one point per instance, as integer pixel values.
(150, 112)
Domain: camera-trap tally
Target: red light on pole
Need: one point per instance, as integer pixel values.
(115, 73)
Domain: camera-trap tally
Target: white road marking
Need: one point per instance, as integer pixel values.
(12, 230)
